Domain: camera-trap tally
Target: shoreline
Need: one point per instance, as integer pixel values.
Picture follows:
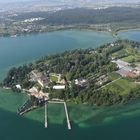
(57, 30)
(126, 30)
(112, 33)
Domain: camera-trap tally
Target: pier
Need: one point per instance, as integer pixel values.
(30, 105)
(46, 116)
(68, 120)
(26, 107)
(66, 111)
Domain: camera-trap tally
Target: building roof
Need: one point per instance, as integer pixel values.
(122, 72)
(126, 73)
(131, 74)
(121, 63)
(59, 87)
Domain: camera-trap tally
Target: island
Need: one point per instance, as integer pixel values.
(104, 76)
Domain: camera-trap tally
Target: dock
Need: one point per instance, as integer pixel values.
(67, 115)
(46, 116)
(66, 111)
(26, 107)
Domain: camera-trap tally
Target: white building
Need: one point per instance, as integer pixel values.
(80, 81)
(18, 86)
(59, 87)
(120, 63)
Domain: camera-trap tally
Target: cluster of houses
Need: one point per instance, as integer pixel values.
(126, 70)
(44, 80)
(38, 94)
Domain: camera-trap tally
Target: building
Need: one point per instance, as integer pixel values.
(59, 87)
(125, 70)
(43, 80)
(126, 73)
(131, 74)
(18, 87)
(137, 70)
(81, 82)
(121, 63)
(33, 90)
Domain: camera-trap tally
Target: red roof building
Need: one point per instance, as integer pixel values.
(130, 74)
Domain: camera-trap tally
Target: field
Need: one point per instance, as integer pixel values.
(128, 54)
(122, 86)
(113, 76)
(131, 58)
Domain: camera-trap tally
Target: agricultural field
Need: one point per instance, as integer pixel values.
(121, 86)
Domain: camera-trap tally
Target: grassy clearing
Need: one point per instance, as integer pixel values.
(128, 54)
(53, 77)
(122, 86)
(113, 76)
(131, 58)
(118, 53)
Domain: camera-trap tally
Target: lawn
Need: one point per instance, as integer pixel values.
(122, 86)
(113, 76)
(131, 58)
(53, 77)
(128, 53)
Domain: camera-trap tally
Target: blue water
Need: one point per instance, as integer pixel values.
(130, 34)
(26, 48)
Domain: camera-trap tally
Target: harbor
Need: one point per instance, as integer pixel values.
(34, 103)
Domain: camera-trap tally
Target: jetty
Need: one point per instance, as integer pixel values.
(26, 107)
(46, 116)
(67, 115)
(66, 111)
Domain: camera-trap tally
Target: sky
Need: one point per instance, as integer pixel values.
(7, 1)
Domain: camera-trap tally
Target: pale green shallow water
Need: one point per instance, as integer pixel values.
(110, 123)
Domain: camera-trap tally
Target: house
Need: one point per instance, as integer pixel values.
(33, 90)
(137, 70)
(131, 74)
(62, 82)
(43, 80)
(18, 87)
(126, 73)
(81, 82)
(112, 44)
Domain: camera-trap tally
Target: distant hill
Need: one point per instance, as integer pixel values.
(73, 1)
(86, 16)
(54, 5)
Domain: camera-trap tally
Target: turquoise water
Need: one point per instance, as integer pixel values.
(14, 51)
(120, 122)
(130, 34)
(109, 123)
(26, 48)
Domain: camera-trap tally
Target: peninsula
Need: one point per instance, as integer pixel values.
(103, 76)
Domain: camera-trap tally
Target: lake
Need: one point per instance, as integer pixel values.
(108, 123)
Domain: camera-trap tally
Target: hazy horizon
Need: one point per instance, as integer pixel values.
(94, 1)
